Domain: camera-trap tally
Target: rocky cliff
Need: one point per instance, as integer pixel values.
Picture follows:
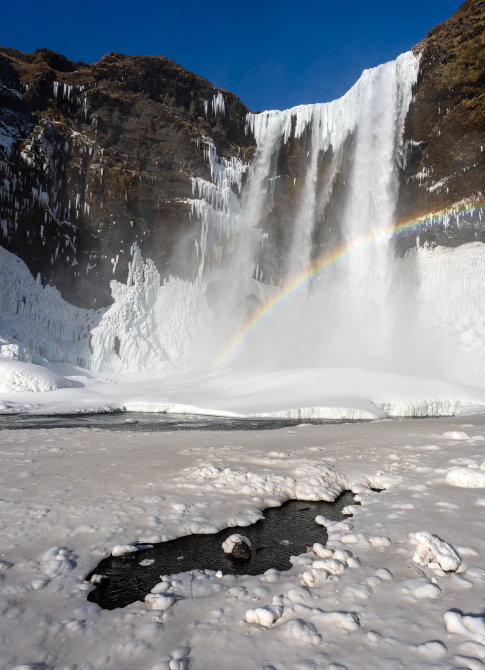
(444, 169)
(96, 157)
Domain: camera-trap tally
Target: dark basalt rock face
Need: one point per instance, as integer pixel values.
(98, 157)
(445, 131)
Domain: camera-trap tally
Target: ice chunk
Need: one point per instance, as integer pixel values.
(331, 566)
(421, 587)
(432, 650)
(378, 541)
(347, 620)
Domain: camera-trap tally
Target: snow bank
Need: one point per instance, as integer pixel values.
(307, 483)
(319, 393)
(16, 377)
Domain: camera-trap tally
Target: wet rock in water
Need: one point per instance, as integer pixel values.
(238, 546)
(242, 551)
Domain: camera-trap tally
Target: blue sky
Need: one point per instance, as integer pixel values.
(273, 55)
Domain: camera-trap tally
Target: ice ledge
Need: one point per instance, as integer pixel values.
(427, 407)
(334, 413)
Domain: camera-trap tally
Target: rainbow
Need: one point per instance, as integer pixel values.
(330, 260)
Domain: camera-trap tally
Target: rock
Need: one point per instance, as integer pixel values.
(241, 551)
(238, 546)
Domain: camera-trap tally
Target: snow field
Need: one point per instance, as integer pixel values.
(61, 513)
(325, 393)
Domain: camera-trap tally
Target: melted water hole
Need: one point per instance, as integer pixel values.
(285, 531)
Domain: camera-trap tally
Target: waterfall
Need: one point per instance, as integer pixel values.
(343, 187)
(347, 191)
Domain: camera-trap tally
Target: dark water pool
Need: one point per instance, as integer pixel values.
(293, 522)
(147, 422)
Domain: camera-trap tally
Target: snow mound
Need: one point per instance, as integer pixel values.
(466, 478)
(456, 435)
(17, 376)
(470, 626)
(264, 616)
(431, 551)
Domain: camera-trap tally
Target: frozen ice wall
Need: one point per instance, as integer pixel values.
(150, 326)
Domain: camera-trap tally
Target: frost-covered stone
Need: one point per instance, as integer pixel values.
(265, 616)
(321, 551)
(430, 549)
(315, 577)
(123, 549)
(157, 601)
(162, 587)
(237, 545)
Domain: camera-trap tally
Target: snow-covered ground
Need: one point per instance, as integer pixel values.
(69, 496)
(324, 393)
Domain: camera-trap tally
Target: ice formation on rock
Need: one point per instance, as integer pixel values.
(153, 324)
(229, 544)
(41, 326)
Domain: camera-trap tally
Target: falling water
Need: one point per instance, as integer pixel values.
(343, 188)
(348, 191)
